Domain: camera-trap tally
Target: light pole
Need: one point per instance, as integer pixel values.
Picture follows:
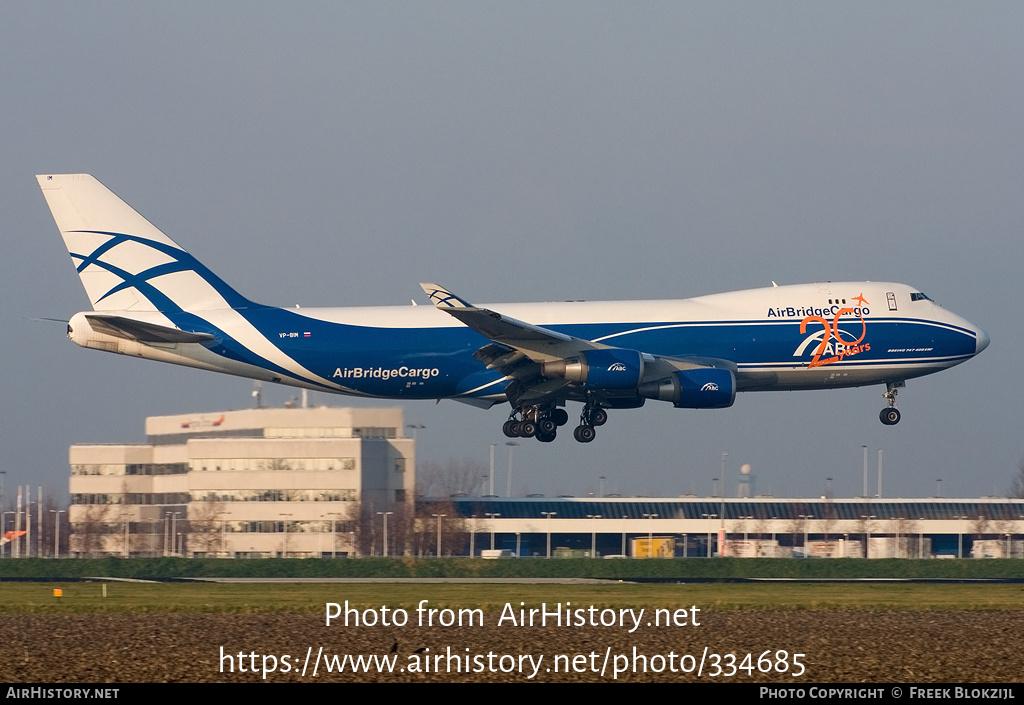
(508, 482)
(167, 534)
(284, 525)
(865, 449)
(867, 528)
(492, 516)
(624, 518)
(3, 530)
(711, 523)
(593, 536)
(650, 534)
(127, 535)
(722, 473)
(805, 518)
(334, 535)
(56, 531)
(491, 488)
(174, 531)
(438, 532)
(549, 515)
(959, 537)
(385, 515)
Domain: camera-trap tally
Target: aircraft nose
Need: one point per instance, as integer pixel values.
(983, 341)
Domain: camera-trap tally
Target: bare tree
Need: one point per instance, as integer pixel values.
(760, 531)
(449, 478)
(828, 521)
(980, 526)
(206, 530)
(87, 533)
(911, 536)
(865, 525)
(1005, 529)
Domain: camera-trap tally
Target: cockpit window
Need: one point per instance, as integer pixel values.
(918, 296)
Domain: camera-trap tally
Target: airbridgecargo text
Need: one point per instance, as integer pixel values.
(794, 312)
(383, 373)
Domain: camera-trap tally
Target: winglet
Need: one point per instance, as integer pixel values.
(442, 298)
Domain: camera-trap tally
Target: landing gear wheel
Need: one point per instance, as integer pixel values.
(545, 437)
(527, 429)
(511, 428)
(890, 417)
(547, 426)
(598, 417)
(560, 417)
(584, 434)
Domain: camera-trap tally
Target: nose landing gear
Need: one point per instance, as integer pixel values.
(890, 415)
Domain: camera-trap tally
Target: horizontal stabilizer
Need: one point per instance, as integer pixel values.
(142, 331)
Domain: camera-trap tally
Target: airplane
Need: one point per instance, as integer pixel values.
(152, 299)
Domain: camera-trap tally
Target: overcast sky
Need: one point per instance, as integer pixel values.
(340, 153)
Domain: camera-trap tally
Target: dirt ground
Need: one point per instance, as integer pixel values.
(838, 646)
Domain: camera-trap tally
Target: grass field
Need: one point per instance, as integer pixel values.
(86, 598)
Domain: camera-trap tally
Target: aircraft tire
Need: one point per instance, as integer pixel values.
(545, 437)
(598, 417)
(890, 417)
(527, 429)
(511, 428)
(560, 417)
(584, 434)
(547, 426)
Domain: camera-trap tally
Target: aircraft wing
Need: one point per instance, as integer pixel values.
(544, 364)
(511, 335)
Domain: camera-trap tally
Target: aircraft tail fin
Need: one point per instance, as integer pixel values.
(125, 262)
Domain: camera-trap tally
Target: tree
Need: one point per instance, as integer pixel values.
(1016, 490)
(205, 528)
(448, 478)
(89, 530)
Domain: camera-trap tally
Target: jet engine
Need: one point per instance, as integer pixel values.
(607, 368)
(698, 388)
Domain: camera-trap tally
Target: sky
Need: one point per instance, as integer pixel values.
(333, 154)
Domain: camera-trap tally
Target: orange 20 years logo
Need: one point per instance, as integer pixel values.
(844, 348)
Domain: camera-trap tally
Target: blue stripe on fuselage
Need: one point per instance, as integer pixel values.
(428, 363)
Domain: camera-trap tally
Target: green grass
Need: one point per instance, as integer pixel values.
(160, 568)
(82, 598)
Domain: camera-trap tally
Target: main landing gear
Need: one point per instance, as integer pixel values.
(535, 422)
(592, 416)
(542, 423)
(890, 416)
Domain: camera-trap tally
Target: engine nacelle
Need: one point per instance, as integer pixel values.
(608, 368)
(699, 388)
